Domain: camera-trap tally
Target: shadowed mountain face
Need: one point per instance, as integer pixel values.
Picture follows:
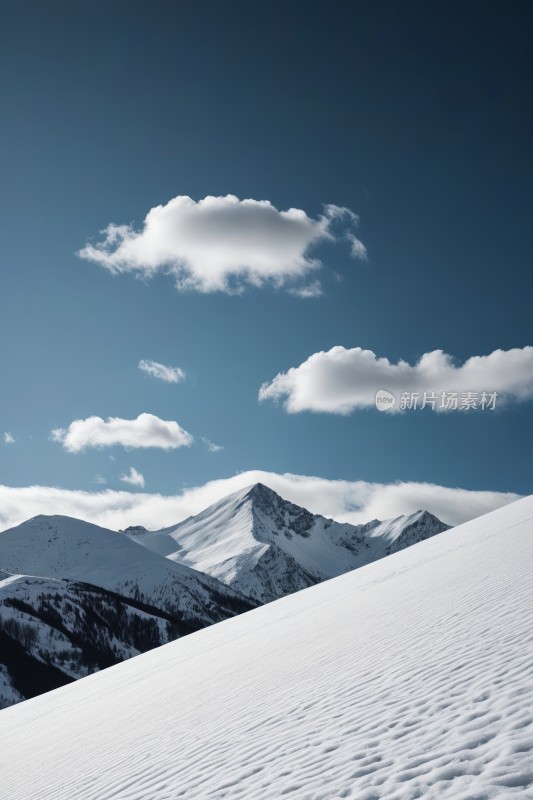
(266, 547)
(55, 631)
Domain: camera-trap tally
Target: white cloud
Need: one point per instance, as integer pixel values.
(134, 478)
(340, 380)
(8, 438)
(211, 446)
(162, 371)
(100, 480)
(313, 289)
(347, 501)
(145, 431)
(222, 243)
(358, 249)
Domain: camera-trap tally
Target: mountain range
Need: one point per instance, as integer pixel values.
(266, 547)
(409, 678)
(76, 598)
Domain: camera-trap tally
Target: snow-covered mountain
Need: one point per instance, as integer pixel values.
(409, 678)
(55, 631)
(75, 598)
(64, 547)
(266, 547)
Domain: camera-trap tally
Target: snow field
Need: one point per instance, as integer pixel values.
(409, 678)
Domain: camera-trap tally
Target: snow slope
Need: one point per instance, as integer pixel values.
(266, 547)
(64, 547)
(409, 678)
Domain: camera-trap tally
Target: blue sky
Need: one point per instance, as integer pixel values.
(416, 118)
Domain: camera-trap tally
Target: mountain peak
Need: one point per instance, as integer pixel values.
(425, 514)
(261, 497)
(133, 529)
(265, 546)
(426, 517)
(260, 490)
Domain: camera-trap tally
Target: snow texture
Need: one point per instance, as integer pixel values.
(409, 678)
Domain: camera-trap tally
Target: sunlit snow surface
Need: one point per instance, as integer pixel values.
(409, 678)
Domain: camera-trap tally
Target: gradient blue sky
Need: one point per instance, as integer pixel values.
(417, 116)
